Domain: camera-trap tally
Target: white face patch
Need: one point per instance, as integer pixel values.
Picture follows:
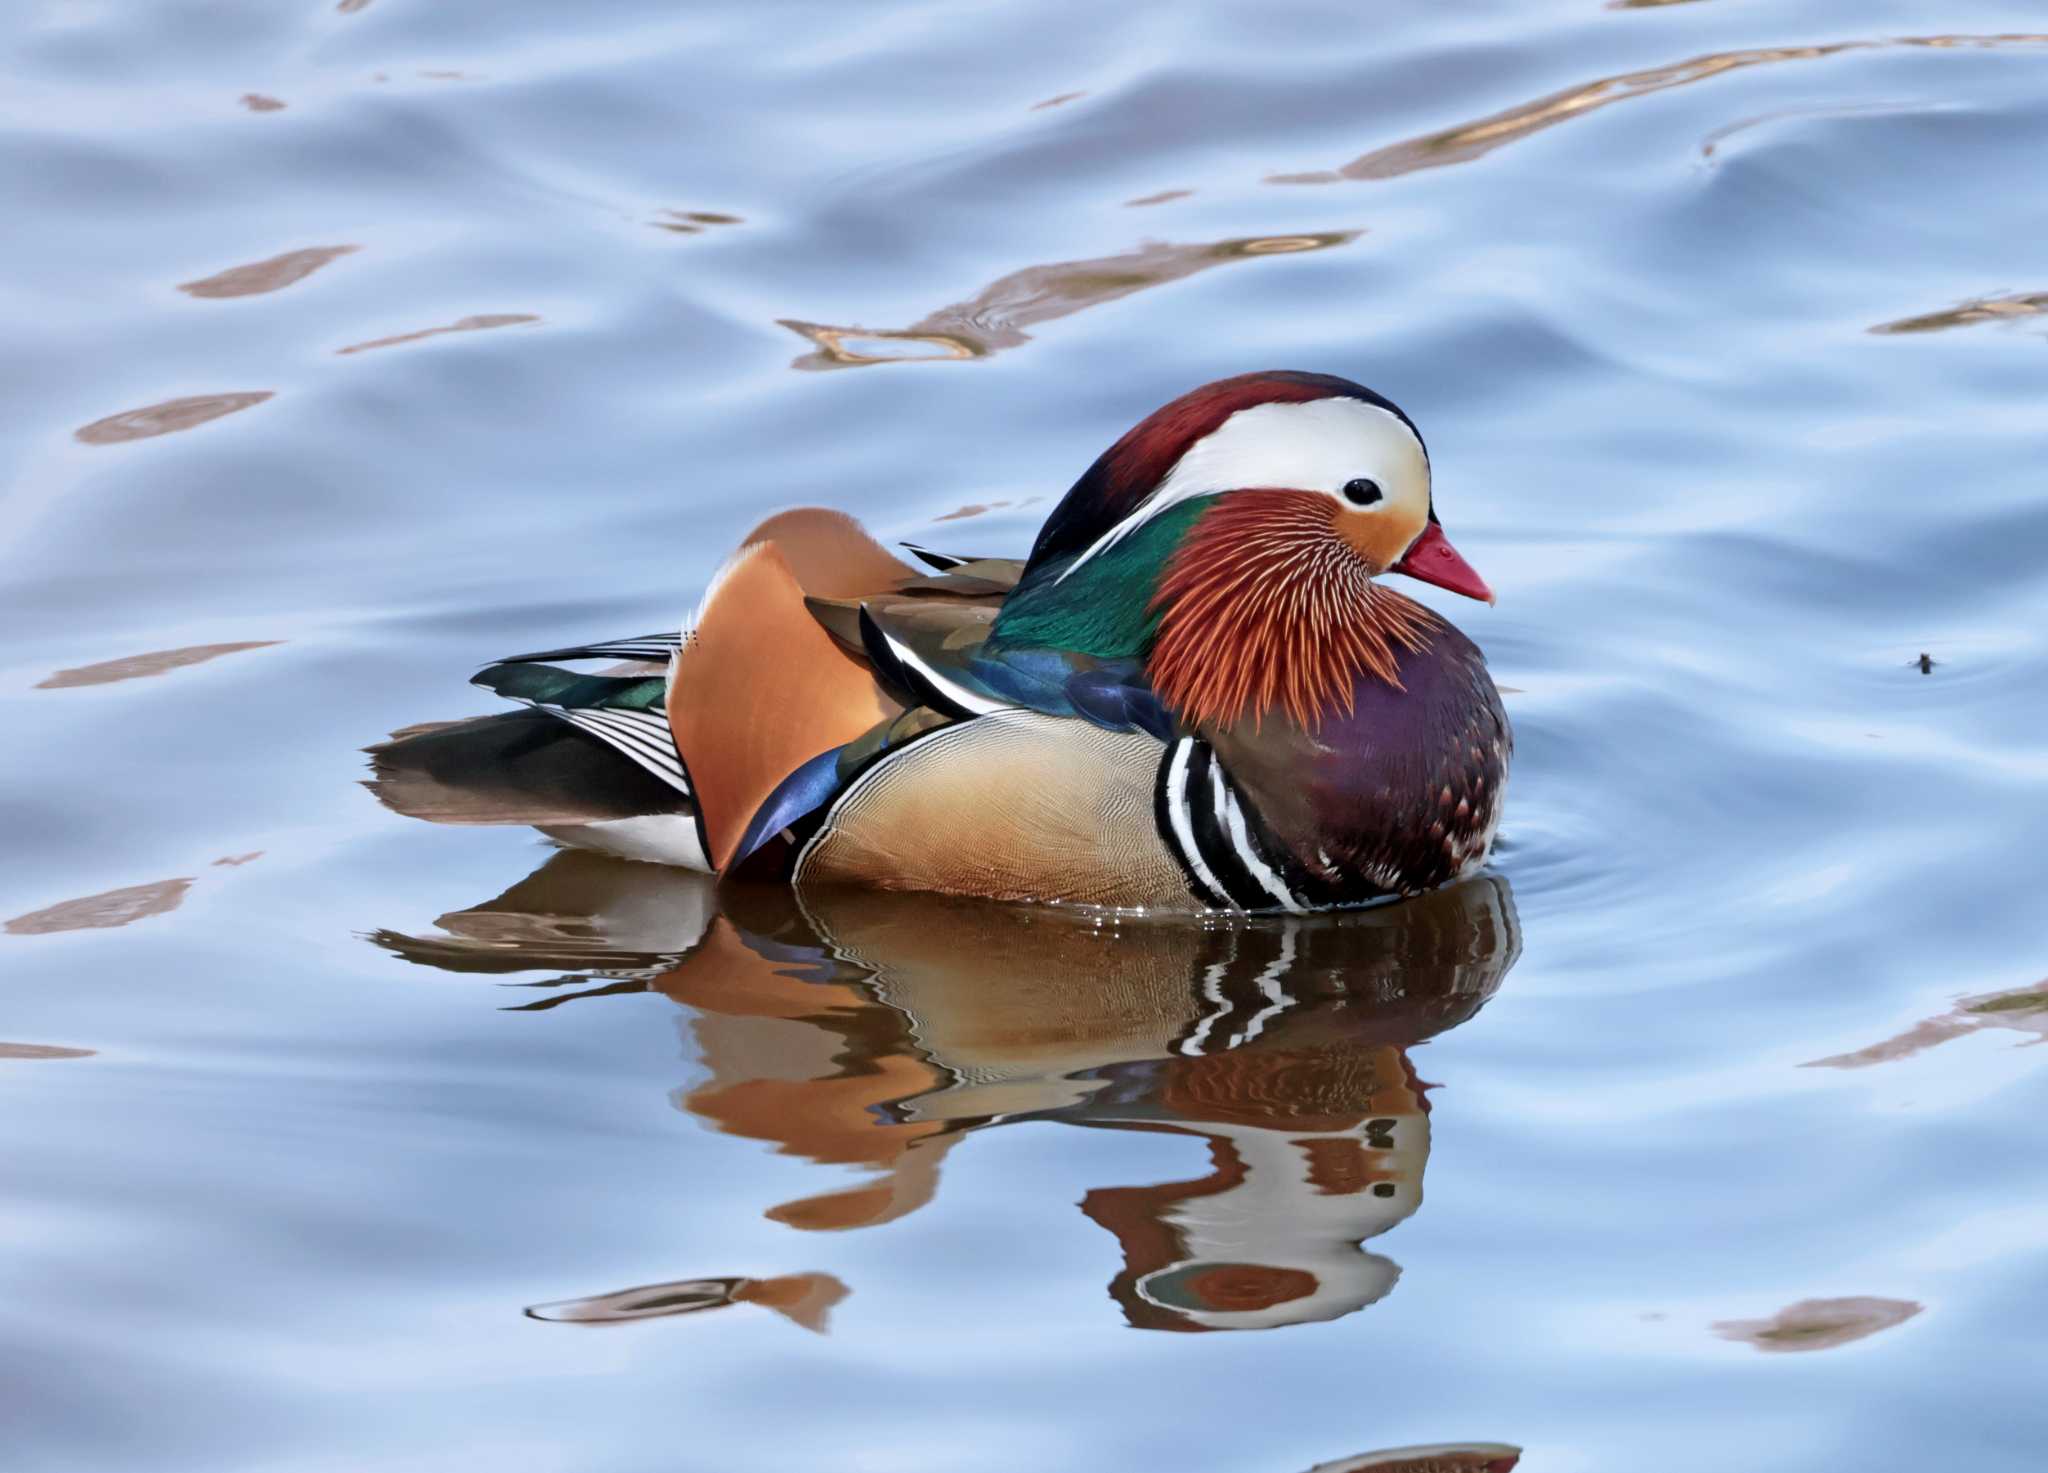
(1319, 445)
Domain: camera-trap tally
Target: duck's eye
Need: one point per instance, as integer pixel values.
(1362, 492)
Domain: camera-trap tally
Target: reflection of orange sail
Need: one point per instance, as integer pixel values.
(877, 1030)
(995, 318)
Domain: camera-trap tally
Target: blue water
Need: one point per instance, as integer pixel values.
(1725, 324)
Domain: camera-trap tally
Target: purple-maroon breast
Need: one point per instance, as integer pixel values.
(1400, 794)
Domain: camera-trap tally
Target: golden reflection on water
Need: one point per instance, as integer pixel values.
(167, 418)
(105, 910)
(1820, 1324)
(879, 1031)
(156, 662)
(2024, 1009)
(997, 316)
(1467, 141)
(1965, 314)
(480, 323)
(266, 276)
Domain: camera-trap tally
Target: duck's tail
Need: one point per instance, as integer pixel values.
(667, 756)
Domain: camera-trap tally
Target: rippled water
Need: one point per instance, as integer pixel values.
(349, 345)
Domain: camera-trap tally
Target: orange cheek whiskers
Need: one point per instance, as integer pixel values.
(1266, 607)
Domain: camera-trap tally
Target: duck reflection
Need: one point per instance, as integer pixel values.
(878, 1031)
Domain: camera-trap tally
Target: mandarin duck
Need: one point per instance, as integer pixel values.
(1193, 695)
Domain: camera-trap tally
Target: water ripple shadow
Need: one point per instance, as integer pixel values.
(168, 417)
(995, 318)
(1467, 141)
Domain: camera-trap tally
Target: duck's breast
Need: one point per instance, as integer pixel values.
(1398, 795)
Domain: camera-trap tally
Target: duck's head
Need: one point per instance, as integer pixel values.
(1231, 540)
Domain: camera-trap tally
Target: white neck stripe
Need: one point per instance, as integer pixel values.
(1316, 445)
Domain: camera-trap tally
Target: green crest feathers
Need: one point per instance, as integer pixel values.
(1104, 607)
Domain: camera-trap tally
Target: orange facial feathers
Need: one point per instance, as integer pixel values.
(1266, 607)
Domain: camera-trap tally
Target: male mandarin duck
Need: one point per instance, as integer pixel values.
(1193, 695)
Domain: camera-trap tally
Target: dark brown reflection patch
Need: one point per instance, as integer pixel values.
(1448, 1457)
(1820, 1324)
(167, 418)
(43, 1051)
(266, 276)
(134, 667)
(99, 912)
(467, 324)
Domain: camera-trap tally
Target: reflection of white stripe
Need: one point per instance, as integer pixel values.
(1241, 841)
(1277, 997)
(952, 690)
(1212, 989)
(1183, 826)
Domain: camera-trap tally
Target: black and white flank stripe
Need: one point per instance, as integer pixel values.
(643, 737)
(654, 649)
(1231, 861)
